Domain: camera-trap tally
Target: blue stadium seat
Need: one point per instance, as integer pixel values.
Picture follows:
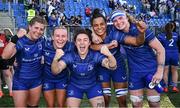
(1, 7)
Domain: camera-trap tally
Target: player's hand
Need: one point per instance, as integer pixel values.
(141, 26)
(21, 32)
(113, 44)
(104, 50)
(157, 77)
(96, 39)
(59, 54)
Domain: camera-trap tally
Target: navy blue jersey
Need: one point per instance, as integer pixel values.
(169, 45)
(83, 74)
(121, 69)
(49, 53)
(142, 58)
(28, 58)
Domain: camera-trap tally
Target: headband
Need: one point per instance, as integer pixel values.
(117, 13)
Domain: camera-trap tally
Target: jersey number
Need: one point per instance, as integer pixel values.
(171, 42)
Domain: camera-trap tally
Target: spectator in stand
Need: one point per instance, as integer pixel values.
(78, 20)
(43, 14)
(162, 8)
(64, 21)
(52, 22)
(177, 12)
(35, 6)
(50, 8)
(111, 4)
(171, 8)
(88, 11)
(30, 13)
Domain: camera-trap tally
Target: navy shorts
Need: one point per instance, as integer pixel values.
(94, 91)
(54, 85)
(25, 84)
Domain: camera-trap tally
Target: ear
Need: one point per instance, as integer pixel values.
(89, 43)
(52, 37)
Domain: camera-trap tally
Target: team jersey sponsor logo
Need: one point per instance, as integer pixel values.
(99, 91)
(27, 49)
(30, 60)
(124, 78)
(64, 85)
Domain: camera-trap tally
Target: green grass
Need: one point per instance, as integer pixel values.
(169, 100)
(6, 101)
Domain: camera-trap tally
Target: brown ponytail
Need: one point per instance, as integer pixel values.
(168, 30)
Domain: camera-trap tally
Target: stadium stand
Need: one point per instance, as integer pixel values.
(72, 8)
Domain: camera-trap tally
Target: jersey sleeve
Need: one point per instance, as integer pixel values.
(67, 58)
(99, 57)
(149, 36)
(19, 46)
(117, 35)
(160, 38)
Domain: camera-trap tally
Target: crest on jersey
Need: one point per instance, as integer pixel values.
(39, 46)
(47, 53)
(90, 67)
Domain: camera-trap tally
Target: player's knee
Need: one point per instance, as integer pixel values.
(136, 99)
(121, 92)
(154, 99)
(6, 73)
(107, 91)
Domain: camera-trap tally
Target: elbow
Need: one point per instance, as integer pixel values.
(163, 50)
(139, 42)
(113, 68)
(4, 56)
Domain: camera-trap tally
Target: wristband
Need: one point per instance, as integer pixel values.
(14, 39)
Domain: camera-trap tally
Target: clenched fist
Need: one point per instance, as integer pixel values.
(113, 44)
(141, 26)
(105, 50)
(21, 32)
(59, 54)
